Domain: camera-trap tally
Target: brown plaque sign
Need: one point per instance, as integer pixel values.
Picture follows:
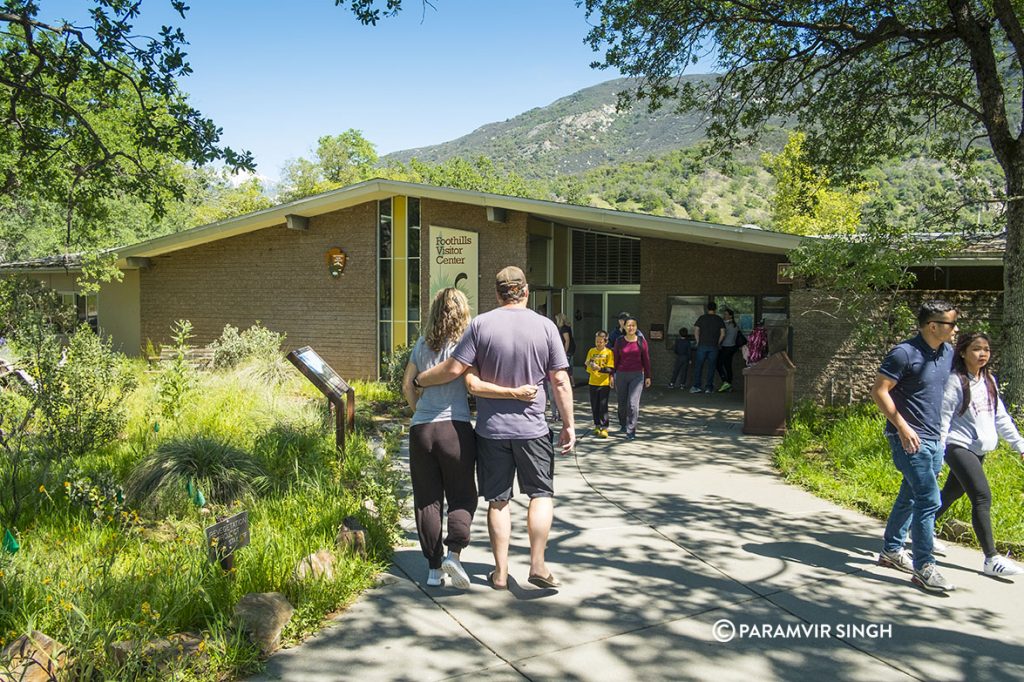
(224, 537)
(336, 260)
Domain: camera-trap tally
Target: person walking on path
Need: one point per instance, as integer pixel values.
(600, 364)
(632, 375)
(511, 346)
(682, 350)
(708, 333)
(973, 419)
(619, 330)
(908, 391)
(731, 342)
(569, 343)
(442, 445)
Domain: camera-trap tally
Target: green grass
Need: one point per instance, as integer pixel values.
(840, 454)
(92, 571)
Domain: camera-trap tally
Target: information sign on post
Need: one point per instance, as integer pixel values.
(337, 390)
(226, 536)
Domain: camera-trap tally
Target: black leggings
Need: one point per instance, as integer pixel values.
(967, 475)
(725, 354)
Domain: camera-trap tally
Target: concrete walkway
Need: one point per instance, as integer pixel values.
(655, 542)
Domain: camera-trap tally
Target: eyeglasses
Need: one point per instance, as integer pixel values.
(951, 324)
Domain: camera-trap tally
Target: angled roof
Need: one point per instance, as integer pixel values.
(746, 238)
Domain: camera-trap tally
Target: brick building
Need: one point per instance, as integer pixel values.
(351, 272)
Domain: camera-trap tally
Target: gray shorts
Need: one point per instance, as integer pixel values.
(532, 461)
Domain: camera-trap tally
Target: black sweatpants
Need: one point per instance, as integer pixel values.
(599, 405)
(442, 459)
(966, 474)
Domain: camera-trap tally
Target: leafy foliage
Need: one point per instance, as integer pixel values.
(80, 395)
(859, 277)
(177, 379)
(95, 111)
(394, 368)
(863, 79)
(804, 201)
(256, 342)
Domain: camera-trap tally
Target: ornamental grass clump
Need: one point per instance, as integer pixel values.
(223, 472)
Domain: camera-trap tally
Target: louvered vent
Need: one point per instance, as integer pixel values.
(604, 259)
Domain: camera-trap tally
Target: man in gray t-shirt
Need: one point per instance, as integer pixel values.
(511, 346)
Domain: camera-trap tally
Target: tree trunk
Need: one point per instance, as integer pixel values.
(1011, 352)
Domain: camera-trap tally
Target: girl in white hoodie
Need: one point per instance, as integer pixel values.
(973, 419)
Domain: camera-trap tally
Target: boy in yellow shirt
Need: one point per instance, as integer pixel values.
(600, 364)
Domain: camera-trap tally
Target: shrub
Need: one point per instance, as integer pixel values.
(220, 470)
(394, 368)
(81, 396)
(256, 342)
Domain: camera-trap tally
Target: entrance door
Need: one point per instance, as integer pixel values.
(597, 310)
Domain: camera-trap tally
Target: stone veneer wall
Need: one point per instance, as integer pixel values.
(831, 370)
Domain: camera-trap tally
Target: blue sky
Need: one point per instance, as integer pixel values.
(278, 75)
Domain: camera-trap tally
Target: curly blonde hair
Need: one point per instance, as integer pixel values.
(448, 318)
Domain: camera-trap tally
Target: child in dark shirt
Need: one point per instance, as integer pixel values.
(682, 350)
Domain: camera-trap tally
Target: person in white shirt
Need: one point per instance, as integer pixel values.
(973, 419)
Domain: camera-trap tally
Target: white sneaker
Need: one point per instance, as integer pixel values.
(695, 389)
(939, 548)
(1000, 565)
(930, 579)
(454, 570)
(900, 560)
(435, 577)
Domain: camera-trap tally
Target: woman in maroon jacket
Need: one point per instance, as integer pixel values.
(632, 376)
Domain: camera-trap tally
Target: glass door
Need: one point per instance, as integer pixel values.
(594, 310)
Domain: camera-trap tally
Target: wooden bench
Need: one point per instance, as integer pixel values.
(198, 358)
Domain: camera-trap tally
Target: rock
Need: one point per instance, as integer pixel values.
(319, 565)
(352, 537)
(385, 579)
(262, 616)
(370, 506)
(392, 428)
(33, 658)
(955, 529)
(164, 653)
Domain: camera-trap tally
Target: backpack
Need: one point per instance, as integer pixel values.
(757, 345)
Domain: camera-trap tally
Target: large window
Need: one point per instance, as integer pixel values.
(604, 259)
(86, 307)
(398, 273)
(683, 311)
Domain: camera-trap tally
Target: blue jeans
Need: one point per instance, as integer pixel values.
(710, 355)
(917, 501)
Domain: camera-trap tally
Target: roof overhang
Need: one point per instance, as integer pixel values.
(295, 214)
(585, 217)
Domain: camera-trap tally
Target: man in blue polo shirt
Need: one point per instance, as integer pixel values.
(908, 391)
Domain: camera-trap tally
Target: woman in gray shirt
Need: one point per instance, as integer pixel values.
(442, 445)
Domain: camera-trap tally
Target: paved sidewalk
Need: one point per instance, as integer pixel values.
(655, 542)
